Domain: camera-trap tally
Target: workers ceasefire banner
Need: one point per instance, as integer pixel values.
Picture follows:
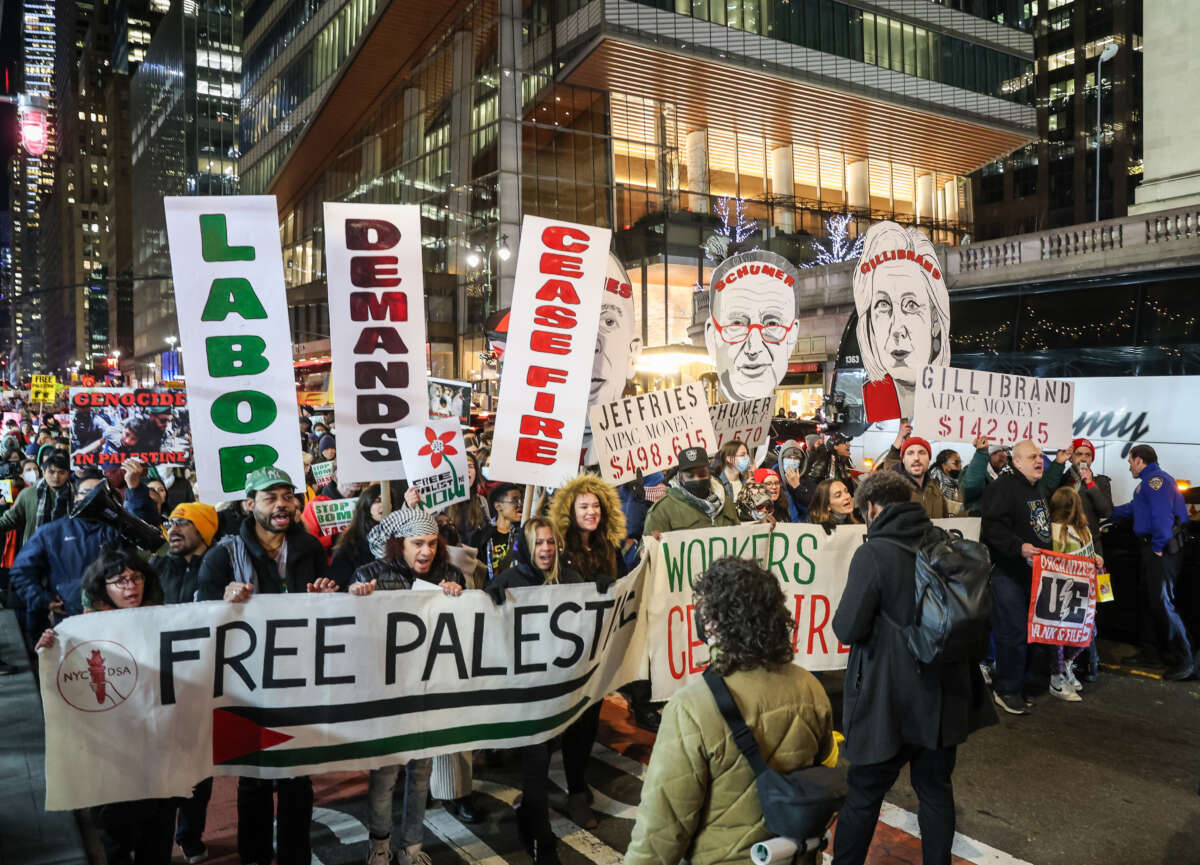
(1062, 602)
(962, 404)
(111, 424)
(377, 333)
(812, 568)
(646, 431)
(155, 699)
(551, 345)
(237, 348)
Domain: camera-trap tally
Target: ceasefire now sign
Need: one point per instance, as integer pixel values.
(231, 303)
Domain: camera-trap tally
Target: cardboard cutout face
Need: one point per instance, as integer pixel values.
(752, 326)
(903, 316)
(618, 345)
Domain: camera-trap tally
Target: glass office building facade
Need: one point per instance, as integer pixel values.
(518, 109)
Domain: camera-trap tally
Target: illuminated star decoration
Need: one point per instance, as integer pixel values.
(840, 248)
(437, 446)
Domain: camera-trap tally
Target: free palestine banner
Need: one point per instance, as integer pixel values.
(158, 698)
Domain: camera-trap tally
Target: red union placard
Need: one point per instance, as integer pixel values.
(552, 328)
(377, 333)
(1062, 601)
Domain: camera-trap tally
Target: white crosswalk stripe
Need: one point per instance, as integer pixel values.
(601, 802)
(580, 840)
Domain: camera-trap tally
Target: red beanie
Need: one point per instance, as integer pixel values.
(916, 440)
(1085, 443)
(760, 475)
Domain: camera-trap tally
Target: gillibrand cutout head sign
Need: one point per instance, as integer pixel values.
(752, 327)
(903, 316)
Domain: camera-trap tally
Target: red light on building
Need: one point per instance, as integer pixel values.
(33, 130)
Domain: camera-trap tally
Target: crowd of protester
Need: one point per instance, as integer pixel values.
(61, 561)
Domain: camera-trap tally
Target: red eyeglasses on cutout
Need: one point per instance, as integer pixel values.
(733, 334)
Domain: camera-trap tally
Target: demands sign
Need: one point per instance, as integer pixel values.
(377, 333)
(1062, 602)
(749, 422)
(550, 348)
(963, 404)
(812, 569)
(111, 425)
(647, 431)
(288, 685)
(232, 305)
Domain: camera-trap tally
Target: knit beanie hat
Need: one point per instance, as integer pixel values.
(1078, 443)
(404, 523)
(327, 442)
(202, 516)
(915, 441)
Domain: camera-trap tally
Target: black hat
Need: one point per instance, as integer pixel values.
(692, 458)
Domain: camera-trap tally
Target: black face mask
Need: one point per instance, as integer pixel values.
(700, 489)
(954, 473)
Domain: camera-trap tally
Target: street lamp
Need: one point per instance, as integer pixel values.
(502, 250)
(1109, 52)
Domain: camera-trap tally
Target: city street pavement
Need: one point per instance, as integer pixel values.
(1110, 780)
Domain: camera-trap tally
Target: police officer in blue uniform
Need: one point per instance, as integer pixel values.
(1158, 512)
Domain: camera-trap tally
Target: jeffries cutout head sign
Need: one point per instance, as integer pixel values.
(903, 316)
(752, 327)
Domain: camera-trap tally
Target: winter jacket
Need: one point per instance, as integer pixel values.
(139, 503)
(241, 558)
(1097, 500)
(23, 514)
(180, 577)
(524, 573)
(928, 494)
(396, 576)
(699, 801)
(974, 479)
(180, 492)
(889, 700)
(1157, 507)
(675, 512)
(52, 563)
(562, 511)
(346, 560)
(1014, 513)
(308, 516)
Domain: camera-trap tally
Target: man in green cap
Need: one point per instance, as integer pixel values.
(270, 554)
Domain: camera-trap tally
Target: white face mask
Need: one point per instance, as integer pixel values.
(168, 478)
(30, 476)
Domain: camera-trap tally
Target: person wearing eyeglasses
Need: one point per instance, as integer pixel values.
(497, 541)
(752, 326)
(140, 830)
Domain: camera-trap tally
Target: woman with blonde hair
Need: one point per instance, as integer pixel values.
(1070, 533)
(903, 316)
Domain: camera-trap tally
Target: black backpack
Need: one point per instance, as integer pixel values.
(953, 597)
(799, 805)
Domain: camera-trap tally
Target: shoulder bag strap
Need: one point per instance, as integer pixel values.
(743, 737)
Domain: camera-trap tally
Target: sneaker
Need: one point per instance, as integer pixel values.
(986, 670)
(1061, 688)
(193, 854)
(544, 850)
(1072, 680)
(380, 852)
(1011, 703)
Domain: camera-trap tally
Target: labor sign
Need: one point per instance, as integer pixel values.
(811, 566)
(1062, 600)
(159, 698)
(43, 388)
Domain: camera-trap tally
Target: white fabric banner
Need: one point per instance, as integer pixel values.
(647, 431)
(159, 698)
(749, 422)
(812, 568)
(231, 304)
(435, 460)
(376, 333)
(961, 404)
(548, 356)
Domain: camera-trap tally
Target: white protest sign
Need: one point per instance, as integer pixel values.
(376, 333)
(322, 472)
(231, 304)
(435, 460)
(749, 422)
(335, 515)
(321, 683)
(961, 404)
(812, 569)
(1062, 600)
(648, 430)
(552, 328)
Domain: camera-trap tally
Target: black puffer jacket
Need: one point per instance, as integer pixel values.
(525, 573)
(305, 563)
(393, 576)
(180, 577)
(889, 699)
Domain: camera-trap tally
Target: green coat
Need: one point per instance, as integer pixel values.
(22, 515)
(699, 801)
(675, 512)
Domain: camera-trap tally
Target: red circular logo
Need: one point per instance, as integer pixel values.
(97, 676)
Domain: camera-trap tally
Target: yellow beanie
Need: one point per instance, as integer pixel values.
(202, 516)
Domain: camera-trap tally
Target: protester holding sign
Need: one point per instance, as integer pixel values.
(1071, 534)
